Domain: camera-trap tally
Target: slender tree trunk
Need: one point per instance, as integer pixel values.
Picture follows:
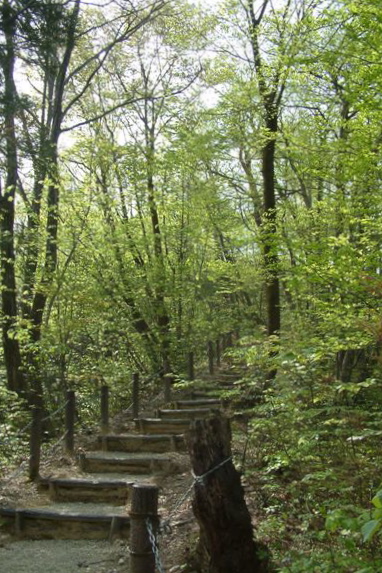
(269, 226)
(270, 91)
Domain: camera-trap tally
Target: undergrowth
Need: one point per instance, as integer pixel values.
(311, 452)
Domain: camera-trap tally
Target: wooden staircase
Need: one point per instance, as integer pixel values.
(94, 505)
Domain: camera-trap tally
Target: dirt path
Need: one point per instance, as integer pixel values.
(67, 556)
(63, 557)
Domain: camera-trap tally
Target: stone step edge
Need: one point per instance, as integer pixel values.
(84, 482)
(57, 515)
(145, 437)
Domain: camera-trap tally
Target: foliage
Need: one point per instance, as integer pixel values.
(14, 422)
(149, 230)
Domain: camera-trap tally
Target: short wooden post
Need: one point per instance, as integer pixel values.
(35, 443)
(210, 347)
(135, 395)
(143, 514)
(70, 412)
(167, 388)
(190, 366)
(104, 409)
(167, 379)
(218, 354)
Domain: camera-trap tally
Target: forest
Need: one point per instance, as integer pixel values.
(172, 171)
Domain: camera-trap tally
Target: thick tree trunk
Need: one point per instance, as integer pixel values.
(12, 356)
(226, 535)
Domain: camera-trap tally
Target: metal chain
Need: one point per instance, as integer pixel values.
(53, 414)
(200, 479)
(23, 430)
(52, 448)
(7, 439)
(166, 526)
(154, 546)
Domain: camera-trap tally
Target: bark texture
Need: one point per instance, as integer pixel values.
(226, 535)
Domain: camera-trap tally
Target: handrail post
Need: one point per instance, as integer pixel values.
(70, 412)
(104, 409)
(143, 514)
(167, 388)
(135, 395)
(210, 347)
(218, 353)
(35, 443)
(167, 380)
(190, 366)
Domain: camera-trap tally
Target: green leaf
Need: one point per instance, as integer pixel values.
(377, 499)
(370, 529)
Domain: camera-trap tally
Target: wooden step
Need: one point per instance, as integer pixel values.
(159, 426)
(219, 379)
(188, 414)
(67, 521)
(88, 489)
(204, 394)
(142, 443)
(198, 403)
(132, 463)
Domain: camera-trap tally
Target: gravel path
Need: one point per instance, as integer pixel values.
(63, 557)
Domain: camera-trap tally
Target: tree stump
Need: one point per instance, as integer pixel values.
(226, 535)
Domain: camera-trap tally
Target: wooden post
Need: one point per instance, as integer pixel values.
(35, 443)
(104, 409)
(218, 355)
(144, 506)
(167, 379)
(167, 388)
(190, 366)
(210, 357)
(70, 412)
(226, 534)
(135, 395)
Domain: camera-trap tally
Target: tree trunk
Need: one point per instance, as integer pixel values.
(271, 91)
(269, 227)
(226, 535)
(12, 356)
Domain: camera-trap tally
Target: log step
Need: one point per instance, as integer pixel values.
(142, 443)
(106, 462)
(189, 414)
(67, 521)
(204, 394)
(159, 426)
(198, 403)
(90, 489)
